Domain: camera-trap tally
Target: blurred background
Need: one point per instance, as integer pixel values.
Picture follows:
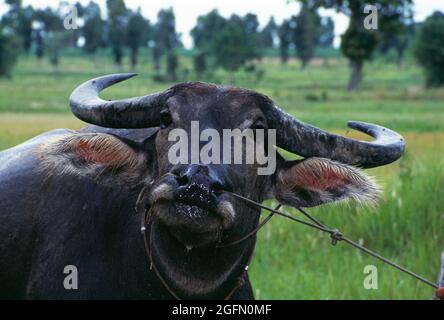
(314, 58)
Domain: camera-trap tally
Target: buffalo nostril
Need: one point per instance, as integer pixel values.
(217, 188)
(182, 180)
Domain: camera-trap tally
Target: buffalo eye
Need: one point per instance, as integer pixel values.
(165, 119)
(257, 125)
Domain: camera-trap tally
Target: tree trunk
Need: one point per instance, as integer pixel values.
(284, 55)
(356, 75)
(232, 78)
(157, 65)
(399, 57)
(133, 58)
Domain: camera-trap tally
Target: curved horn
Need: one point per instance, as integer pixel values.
(137, 112)
(308, 141)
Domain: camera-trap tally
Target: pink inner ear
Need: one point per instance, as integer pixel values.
(86, 150)
(320, 178)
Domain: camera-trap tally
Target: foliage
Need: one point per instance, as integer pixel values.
(358, 44)
(200, 64)
(269, 34)
(231, 42)
(93, 28)
(9, 50)
(55, 42)
(327, 32)
(207, 27)
(429, 49)
(165, 34)
(397, 30)
(306, 33)
(165, 40)
(39, 43)
(204, 33)
(137, 34)
(172, 64)
(284, 33)
(117, 21)
(234, 45)
(19, 18)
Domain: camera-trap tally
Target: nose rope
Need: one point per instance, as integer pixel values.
(338, 236)
(253, 232)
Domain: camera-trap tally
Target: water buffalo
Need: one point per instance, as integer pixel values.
(68, 198)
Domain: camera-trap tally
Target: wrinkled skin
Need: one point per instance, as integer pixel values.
(65, 201)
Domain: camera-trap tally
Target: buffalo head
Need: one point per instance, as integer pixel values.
(189, 198)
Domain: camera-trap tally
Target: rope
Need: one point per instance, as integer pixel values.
(337, 236)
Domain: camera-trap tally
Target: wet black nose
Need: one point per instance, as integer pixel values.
(198, 185)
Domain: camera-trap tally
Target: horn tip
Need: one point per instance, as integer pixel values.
(124, 76)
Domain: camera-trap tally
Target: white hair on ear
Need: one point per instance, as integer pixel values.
(315, 181)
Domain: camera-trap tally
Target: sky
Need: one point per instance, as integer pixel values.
(187, 11)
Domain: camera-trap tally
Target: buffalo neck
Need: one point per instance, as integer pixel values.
(211, 272)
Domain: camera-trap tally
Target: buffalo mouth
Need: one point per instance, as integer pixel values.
(191, 211)
(188, 215)
(190, 219)
(190, 224)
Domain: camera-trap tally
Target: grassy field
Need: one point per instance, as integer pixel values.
(292, 261)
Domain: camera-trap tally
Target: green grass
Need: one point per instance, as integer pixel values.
(293, 261)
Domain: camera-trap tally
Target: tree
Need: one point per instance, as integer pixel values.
(39, 43)
(236, 44)
(11, 41)
(200, 64)
(284, 33)
(428, 49)
(55, 41)
(93, 28)
(49, 19)
(306, 34)
(327, 32)
(117, 20)
(207, 28)
(137, 35)
(9, 50)
(24, 29)
(358, 43)
(269, 34)
(230, 42)
(20, 20)
(398, 29)
(172, 64)
(165, 41)
(50, 35)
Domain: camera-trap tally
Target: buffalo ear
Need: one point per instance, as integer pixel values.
(315, 181)
(104, 158)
